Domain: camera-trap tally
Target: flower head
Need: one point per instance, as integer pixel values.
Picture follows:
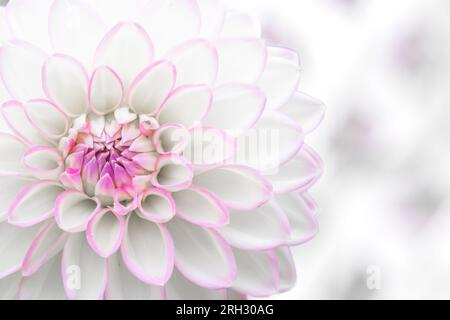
(151, 149)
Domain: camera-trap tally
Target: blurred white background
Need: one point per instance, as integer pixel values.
(383, 69)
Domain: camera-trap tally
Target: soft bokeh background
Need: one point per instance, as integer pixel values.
(383, 68)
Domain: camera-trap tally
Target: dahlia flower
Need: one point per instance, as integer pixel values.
(150, 149)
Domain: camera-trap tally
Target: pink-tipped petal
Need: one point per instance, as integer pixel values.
(152, 266)
(104, 232)
(250, 65)
(199, 206)
(196, 61)
(241, 25)
(47, 118)
(286, 266)
(73, 210)
(187, 106)
(151, 87)
(106, 91)
(44, 162)
(173, 173)
(14, 149)
(34, 203)
(104, 190)
(264, 228)
(250, 189)
(65, 81)
(170, 138)
(156, 205)
(126, 48)
(20, 70)
(193, 246)
(10, 186)
(84, 273)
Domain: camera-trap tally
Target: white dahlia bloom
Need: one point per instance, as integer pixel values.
(150, 149)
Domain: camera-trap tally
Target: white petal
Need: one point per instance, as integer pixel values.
(309, 112)
(28, 20)
(20, 69)
(45, 284)
(279, 81)
(151, 87)
(44, 163)
(241, 25)
(14, 243)
(75, 29)
(196, 62)
(115, 11)
(106, 91)
(47, 118)
(127, 49)
(47, 243)
(257, 273)
(73, 210)
(10, 187)
(156, 205)
(9, 286)
(84, 272)
(301, 213)
(147, 250)
(266, 227)
(10, 162)
(299, 174)
(286, 266)
(16, 119)
(174, 22)
(35, 203)
(180, 288)
(65, 82)
(241, 60)
(122, 285)
(199, 206)
(173, 173)
(238, 187)
(193, 247)
(236, 107)
(212, 16)
(187, 106)
(104, 232)
(273, 141)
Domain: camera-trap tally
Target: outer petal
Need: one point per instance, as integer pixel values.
(48, 243)
(240, 25)
(239, 187)
(106, 91)
(104, 232)
(300, 210)
(264, 228)
(250, 64)
(234, 99)
(286, 265)
(45, 284)
(43, 162)
(156, 205)
(20, 70)
(212, 14)
(127, 48)
(9, 286)
(47, 118)
(258, 273)
(147, 250)
(279, 81)
(84, 273)
(174, 22)
(173, 173)
(75, 29)
(65, 81)
(180, 288)
(187, 106)
(14, 243)
(115, 11)
(34, 204)
(300, 173)
(10, 187)
(308, 111)
(123, 285)
(151, 87)
(73, 210)
(196, 62)
(193, 247)
(10, 162)
(28, 20)
(201, 207)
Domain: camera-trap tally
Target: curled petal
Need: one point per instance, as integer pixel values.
(152, 266)
(156, 205)
(34, 204)
(73, 210)
(44, 162)
(106, 91)
(104, 232)
(172, 173)
(47, 118)
(10, 162)
(170, 138)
